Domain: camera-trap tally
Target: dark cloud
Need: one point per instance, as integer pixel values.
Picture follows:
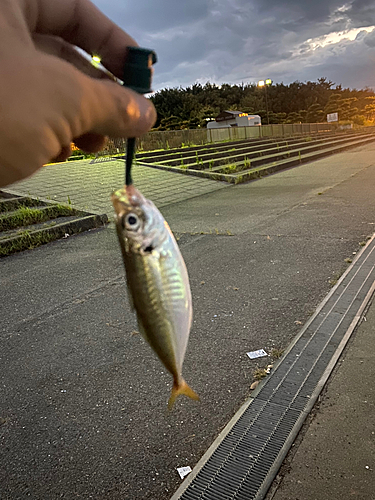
(368, 38)
(361, 13)
(308, 11)
(153, 15)
(241, 40)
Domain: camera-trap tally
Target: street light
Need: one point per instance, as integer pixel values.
(265, 84)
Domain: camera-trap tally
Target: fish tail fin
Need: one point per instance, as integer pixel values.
(181, 387)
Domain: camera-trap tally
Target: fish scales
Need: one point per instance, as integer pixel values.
(157, 281)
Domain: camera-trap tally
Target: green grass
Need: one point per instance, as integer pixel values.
(198, 160)
(247, 163)
(25, 216)
(26, 241)
(230, 169)
(183, 166)
(259, 373)
(276, 353)
(9, 207)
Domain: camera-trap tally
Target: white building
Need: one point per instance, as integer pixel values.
(228, 119)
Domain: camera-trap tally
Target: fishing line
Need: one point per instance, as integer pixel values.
(130, 149)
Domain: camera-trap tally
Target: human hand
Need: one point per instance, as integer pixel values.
(46, 102)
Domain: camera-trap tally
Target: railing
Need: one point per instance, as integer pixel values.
(279, 130)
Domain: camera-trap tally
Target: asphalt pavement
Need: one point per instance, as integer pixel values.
(83, 401)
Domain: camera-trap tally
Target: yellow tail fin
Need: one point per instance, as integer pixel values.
(181, 387)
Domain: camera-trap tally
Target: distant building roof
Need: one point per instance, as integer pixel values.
(227, 115)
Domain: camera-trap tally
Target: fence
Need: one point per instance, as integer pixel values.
(279, 130)
(178, 138)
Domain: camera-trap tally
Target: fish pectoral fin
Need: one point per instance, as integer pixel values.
(181, 388)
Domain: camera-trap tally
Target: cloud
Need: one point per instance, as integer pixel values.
(369, 39)
(242, 40)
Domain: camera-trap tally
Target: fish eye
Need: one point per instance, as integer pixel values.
(131, 222)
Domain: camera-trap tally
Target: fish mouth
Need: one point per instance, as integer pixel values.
(126, 198)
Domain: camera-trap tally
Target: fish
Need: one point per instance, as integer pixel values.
(157, 280)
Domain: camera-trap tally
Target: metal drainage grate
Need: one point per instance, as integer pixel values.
(243, 461)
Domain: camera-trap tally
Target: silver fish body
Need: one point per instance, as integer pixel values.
(157, 280)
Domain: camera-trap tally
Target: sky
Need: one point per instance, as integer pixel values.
(244, 41)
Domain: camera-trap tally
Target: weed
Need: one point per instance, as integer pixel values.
(362, 243)
(259, 373)
(230, 169)
(198, 161)
(183, 166)
(210, 164)
(247, 163)
(276, 353)
(348, 260)
(69, 200)
(334, 279)
(299, 156)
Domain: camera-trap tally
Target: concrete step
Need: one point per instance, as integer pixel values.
(272, 165)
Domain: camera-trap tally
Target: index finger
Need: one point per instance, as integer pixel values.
(81, 23)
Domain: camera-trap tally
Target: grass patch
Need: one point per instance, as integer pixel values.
(259, 373)
(334, 279)
(26, 241)
(26, 216)
(247, 163)
(198, 160)
(276, 353)
(9, 205)
(230, 169)
(182, 165)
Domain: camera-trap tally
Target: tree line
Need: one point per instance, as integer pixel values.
(308, 102)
